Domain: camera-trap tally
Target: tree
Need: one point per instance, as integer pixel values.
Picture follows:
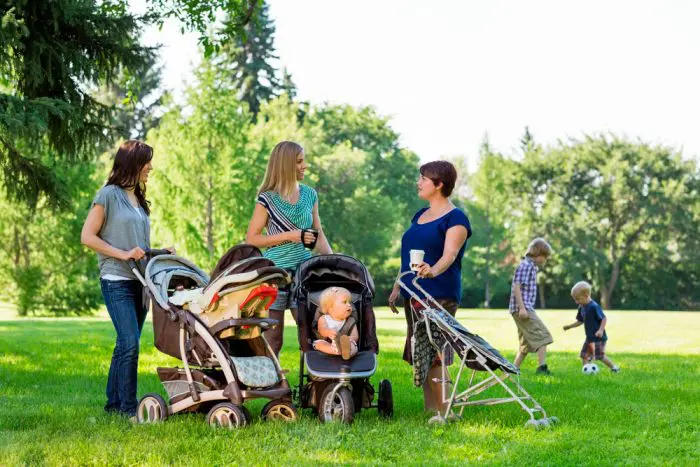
(52, 52)
(604, 201)
(489, 247)
(200, 186)
(247, 60)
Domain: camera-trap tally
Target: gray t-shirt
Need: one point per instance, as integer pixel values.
(125, 227)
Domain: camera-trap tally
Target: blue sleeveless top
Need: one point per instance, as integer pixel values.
(430, 237)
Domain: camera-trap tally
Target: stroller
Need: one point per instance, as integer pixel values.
(434, 331)
(335, 388)
(215, 328)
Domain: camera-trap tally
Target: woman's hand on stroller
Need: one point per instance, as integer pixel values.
(392, 299)
(171, 249)
(424, 270)
(135, 253)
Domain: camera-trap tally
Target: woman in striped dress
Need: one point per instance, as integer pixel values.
(285, 208)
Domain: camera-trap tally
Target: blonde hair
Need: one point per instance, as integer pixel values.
(281, 172)
(539, 247)
(328, 295)
(581, 287)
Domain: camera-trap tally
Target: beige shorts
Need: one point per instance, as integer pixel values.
(532, 332)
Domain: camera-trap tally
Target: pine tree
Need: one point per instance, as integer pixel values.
(247, 59)
(51, 53)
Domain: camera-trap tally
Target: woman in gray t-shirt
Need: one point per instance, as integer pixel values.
(118, 229)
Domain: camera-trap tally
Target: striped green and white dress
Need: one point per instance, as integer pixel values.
(283, 216)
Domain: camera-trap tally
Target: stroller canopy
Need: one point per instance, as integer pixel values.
(340, 266)
(162, 269)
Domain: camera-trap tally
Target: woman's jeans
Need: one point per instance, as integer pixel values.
(124, 300)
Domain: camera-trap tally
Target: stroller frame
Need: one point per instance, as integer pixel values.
(230, 411)
(455, 398)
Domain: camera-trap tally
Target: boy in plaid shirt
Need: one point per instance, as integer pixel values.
(532, 333)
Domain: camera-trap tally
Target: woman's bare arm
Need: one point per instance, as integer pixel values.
(255, 237)
(322, 245)
(454, 239)
(89, 237)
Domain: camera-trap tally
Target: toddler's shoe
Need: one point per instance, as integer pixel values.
(615, 369)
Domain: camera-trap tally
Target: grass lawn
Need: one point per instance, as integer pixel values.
(53, 371)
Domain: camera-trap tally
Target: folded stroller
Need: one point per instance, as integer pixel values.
(215, 328)
(335, 388)
(434, 331)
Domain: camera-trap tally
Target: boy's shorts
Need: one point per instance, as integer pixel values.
(532, 332)
(593, 349)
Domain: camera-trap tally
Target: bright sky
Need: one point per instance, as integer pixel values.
(448, 72)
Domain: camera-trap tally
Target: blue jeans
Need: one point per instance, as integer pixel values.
(125, 305)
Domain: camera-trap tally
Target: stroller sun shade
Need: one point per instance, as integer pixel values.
(163, 271)
(342, 267)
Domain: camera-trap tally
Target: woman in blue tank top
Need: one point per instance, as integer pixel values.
(441, 230)
(285, 208)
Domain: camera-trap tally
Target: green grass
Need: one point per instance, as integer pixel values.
(52, 378)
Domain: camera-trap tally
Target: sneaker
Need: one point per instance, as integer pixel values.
(615, 370)
(543, 370)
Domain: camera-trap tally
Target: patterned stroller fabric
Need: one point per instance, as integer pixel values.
(423, 351)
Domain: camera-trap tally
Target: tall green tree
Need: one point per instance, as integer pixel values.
(603, 201)
(490, 248)
(200, 164)
(49, 52)
(247, 59)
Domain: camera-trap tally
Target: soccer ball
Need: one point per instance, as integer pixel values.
(590, 369)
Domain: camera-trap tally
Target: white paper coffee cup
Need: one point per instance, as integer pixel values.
(416, 258)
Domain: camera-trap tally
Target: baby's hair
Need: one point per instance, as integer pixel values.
(580, 287)
(539, 247)
(328, 295)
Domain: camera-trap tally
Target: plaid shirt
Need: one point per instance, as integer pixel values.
(525, 274)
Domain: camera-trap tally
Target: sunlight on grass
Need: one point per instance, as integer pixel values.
(53, 371)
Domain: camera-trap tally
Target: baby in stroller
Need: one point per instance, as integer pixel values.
(339, 288)
(336, 327)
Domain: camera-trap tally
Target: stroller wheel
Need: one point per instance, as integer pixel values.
(248, 415)
(385, 400)
(340, 409)
(227, 415)
(437, 420)
(553, 420)
(280, 410)
(152, 408)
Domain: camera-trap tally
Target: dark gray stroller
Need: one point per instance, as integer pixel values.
(335, 388)
(434, 331)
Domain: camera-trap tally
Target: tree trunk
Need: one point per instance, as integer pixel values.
(607, 289)
(540, 290)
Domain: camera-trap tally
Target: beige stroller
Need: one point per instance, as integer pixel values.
(215, 328)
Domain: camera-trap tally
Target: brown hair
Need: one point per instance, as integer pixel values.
(130, 159)
(539, 247)
(441, 172)
(281, 172)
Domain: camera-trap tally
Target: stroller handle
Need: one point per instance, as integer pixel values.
(150, 253)
(426, 296)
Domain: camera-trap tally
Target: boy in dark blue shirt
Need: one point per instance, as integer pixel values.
(591, 315)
